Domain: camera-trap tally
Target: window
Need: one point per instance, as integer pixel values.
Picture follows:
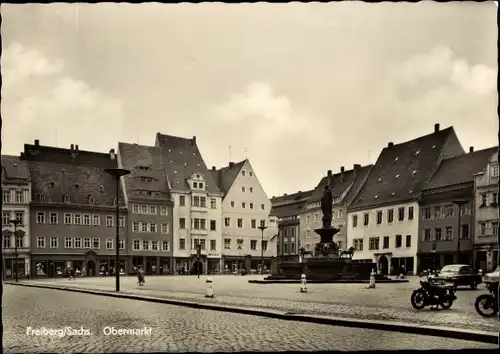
(253, 245)
(182, 223)
(494, 171)
(6, 218)
(450, 211)
(374, 243)
(285, 248)
(262, 207)
(40, 242)
(264, 245)
(135, 209)
(109, 244)
(408, 241)
(232, 204)
(19, 241)
(182, 200)
(122, 244)
(316, 216)
(355, 220)
(122, 221)
(399, 241)
(145, 245)
(410, 213)
(78, 242)
(195, 201)
(292, 248)
(240, 223)
(182, 244)
(200, 185)
(483, 199)
(243, 189)
(153, 210)
(203, 244)
(163, 210)
(68, 219)
(494, 199)
(20, 217)
(164, 245)
(251, 205)
(96, 243)
(77, 219)
(243, 173)
(253, 223)
(213, 225)
(262, 223)
(250, 173)
(203, 202)
(227, 222)
(196, 224)
(379, 217)
(54, 242)
(86, 219)
(203, 224)
(19, 197)
(213, 245)
(6, 196)
(68, 242)
(154, 245)
(109, 220)
(66, 198)
(135, 226)
(386, 242)
(195, 184)
(144, 209)
(213, 203)
(152, 227)
(427, 235)
(358, 244)
(465, 230)
(366, 219)
(341, 214)
(437, 212)
(40, 218)
(243, 205)
(449, 233)
(427, 213)
(227, 243)
(136, 245)
(401, 214)
(164, 228)
(437, 234)
(144, 226)
(96, 220)
(482, 228)
(86, 243)
(251, 189)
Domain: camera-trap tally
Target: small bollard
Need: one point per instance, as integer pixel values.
(372, 280)
(210, 290)
(303, 284)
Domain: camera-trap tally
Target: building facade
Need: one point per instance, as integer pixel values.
(486, 216)
(150, 208)
(344, 186)
(446, 231)
(73, 211)
(245, 207)
(16, 198)
(197, 210)
(383, 219)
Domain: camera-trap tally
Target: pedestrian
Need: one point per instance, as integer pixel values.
(84, 271)
(140, 274)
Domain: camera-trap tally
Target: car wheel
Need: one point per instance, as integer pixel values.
(473, 285)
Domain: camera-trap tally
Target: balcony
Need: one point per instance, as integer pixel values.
(203, 232)
(199, 209)
(202, 252)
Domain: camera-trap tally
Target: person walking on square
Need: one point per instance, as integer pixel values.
(140, 276)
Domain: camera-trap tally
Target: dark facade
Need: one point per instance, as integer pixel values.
(73, 211)
(446, 232)
(150, 208)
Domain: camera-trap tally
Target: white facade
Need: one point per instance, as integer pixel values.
(406, 228)
(311, 219)
(244, 207)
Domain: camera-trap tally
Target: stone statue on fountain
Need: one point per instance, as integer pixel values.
(326, 247)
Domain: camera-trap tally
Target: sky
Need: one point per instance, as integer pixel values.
(298, 89)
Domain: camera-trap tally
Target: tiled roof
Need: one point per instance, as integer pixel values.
(56, 173)
(226, 176)
(148, 177)
(182, 159)
(402, 170)
(460, 169)
(14, 169)
(289, 205)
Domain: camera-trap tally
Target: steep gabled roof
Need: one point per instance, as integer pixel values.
(14, 169)
(56, 173)
(148, 177)
(402, 170)
(226, 176)
(182, 159)
(290, 204)
(460, 169)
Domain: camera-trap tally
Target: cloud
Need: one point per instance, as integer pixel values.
(40, 101)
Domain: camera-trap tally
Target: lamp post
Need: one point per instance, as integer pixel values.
(117, 173)
(262, 227)
(15, 222)
(239, 258)
(459, 203)
(198, 252)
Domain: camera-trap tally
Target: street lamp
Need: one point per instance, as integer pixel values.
(15, 222)
(198, 252)
(262, 227)
(117, 173)
(459, 203)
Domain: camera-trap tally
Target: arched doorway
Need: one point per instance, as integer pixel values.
(197, 265)
(91, 268)
(383, 265)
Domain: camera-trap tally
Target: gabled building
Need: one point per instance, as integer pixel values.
(197, 211)
(446, 231)
(150, 208)
(16, 197)
(287, 208)
(344, 186)
(486, 215)
(383, 219)
(245, 207)
(73, 211)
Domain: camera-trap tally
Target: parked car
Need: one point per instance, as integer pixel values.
(459, 275)
(492, 277)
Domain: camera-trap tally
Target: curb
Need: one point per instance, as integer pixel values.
(436, 331)
(297, 281)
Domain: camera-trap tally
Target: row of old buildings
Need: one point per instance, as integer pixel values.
(423, 204)
(170, 205)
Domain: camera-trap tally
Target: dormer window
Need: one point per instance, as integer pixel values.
(250, 173)
(195, 184)
(376, 197)
(67, 198)
(494, 171)
(397, 176)
(144, 168)
(397, 158)
(243, 172)
(393, 194)
(433, 146)
(200, 185)
(41, 197)
(417, 152)
(91, 200)
(414, 172)
(380, 179)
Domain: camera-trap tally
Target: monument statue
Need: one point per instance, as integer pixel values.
(326, 206)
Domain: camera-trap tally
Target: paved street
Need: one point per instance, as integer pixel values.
(386, 302)
(177, 329)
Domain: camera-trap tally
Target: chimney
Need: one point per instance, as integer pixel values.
(37, 142)
(342, 169)
(285, 194)
(329, 173)
(76, 147)
(72, 147)
(391, 144)
(112, 154)
(231, 164)
(342, 174)
(436, 127)
(471, 149)
(22, 155)
(213, 168)
(356, 167)
(194, 140)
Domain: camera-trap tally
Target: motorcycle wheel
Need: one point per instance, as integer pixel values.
(446, 304)
(484, 303)
(418, 299)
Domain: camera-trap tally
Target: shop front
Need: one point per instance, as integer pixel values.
(213, 266)
(182, 266)
(11, 266)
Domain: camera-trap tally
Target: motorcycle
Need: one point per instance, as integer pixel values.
(487, 304)
(433, 294)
